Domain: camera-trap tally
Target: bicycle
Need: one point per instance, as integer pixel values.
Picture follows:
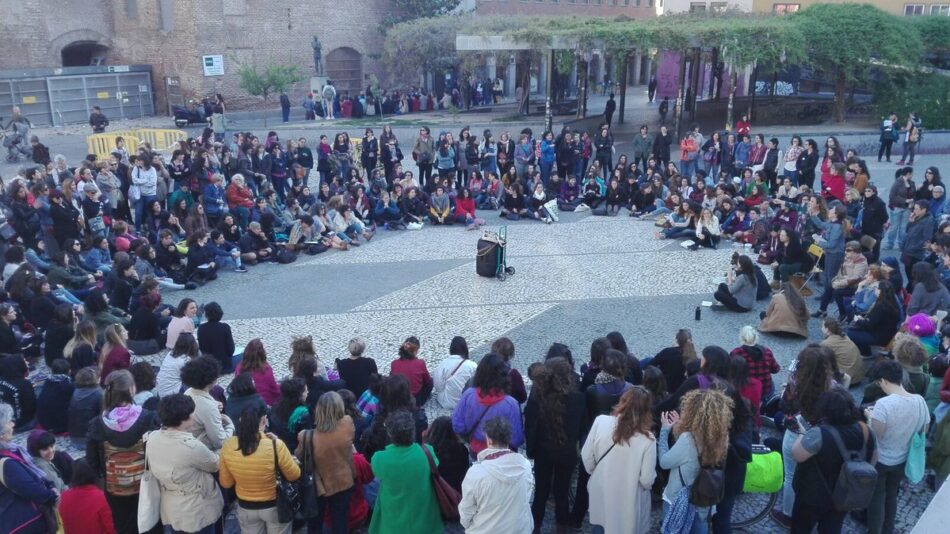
(751, 508)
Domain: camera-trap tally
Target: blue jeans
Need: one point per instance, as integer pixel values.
(140, 209)
(688, 168)
(63, 295)
(793, 176)
(894, 237)
(699, 520)
(339, 505)
(546, 171)
(206, 530)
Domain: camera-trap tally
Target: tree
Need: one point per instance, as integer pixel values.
(416, 9)
(273, 79)
(846, 40)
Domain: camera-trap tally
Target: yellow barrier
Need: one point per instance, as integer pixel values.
(159, 139)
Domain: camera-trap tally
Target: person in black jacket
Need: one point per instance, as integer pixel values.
(661, 147)
(806, 163)
(53, 403)
(317, 384)
(17, 391)
(554, 422)
(873, 219)
(215, 339)
(84, 405)
(201, 266)
(58, 332)
(145, 331)
(452, 454)
(125, 282)
(9, 344)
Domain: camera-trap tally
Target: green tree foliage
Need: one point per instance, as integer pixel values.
(403, 10)
(421, 45)
(272, 79)
(927, 94)
(846, 40)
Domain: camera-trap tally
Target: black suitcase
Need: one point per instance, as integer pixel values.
(486, 261)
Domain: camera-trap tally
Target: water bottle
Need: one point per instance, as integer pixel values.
(699, 313)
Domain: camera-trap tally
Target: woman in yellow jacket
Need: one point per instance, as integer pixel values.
(248, 465)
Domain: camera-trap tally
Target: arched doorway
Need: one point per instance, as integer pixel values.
(83, 54)
(345, 70)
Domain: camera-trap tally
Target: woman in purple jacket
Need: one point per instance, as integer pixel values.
(486, 400)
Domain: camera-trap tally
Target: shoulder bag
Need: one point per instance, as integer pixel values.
(467, 435)
(602, 456)
(310, 489)
(150, 499)
(447, 496)
(47, 511)
(288, 494)
(916, 462)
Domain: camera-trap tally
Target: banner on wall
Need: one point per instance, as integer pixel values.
(668, 73)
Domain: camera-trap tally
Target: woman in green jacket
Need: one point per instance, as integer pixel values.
(406, 501)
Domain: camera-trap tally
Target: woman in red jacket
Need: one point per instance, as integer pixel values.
(83, 507)
(834, 185)
(240, 199)
(413, 368)
(465, 210)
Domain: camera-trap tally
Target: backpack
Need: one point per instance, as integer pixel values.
(857, 478)
(286, 256)
(709, 487)
(124, 467)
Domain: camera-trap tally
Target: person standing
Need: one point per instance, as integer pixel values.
(832, 242)
(285, 106)
(890, 132)
(911, 133)
(894, 419)
(609, 109)
(920, 231)
(651, 88)
(623, 443)
(98, 120)
(899, 202)
(329, 96)
(664, 109)
(554, 420)
(309, 107)
(423, 151)
(496, 490)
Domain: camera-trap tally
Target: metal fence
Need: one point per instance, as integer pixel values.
(66, 96)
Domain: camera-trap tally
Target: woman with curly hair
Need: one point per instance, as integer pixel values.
(812, 377)
(554, 420)
(701, 431)
(624, 443)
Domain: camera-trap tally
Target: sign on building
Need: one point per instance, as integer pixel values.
(213, 65)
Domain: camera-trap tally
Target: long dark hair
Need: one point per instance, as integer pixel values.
(923, 273)
(492, 374)
(716, 361)
(886, 298)
(551, 387)
(684, 339)
(747, 268)
(795, 300)
(291, 393)
(441, 435)
(812, 378)
(248, 429)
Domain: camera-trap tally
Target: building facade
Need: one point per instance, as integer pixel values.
(896, 7)
(635, 9)
(712, 6)
(174, 36)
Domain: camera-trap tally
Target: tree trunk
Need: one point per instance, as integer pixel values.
(678, 105)
(623, 86)
(732, 97)
(524, 105)
(752, 84)
(840, 88)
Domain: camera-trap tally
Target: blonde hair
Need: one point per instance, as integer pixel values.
(356, 346)
(85, 334)
(748, 335)
(328, 412)
(113, 337)
(707, 414)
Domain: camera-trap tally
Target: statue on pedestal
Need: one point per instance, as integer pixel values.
(317, 56)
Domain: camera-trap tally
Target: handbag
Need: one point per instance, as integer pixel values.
(288, 494)
(916, 456)
(135, 193)
(97, 224)
(765, 473)
(150, 499)
(447, 496)
(602, 456)
(663, 221)
(309, 489)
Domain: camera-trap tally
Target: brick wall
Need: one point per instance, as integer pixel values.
(255, 31)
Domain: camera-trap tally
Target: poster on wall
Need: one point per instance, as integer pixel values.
(668, 73)
(213, 65)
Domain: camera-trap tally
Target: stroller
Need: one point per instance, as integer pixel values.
(17, 142)
(491, 259)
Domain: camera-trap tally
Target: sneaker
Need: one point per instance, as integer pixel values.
(901, 162)
(582, 207)
(241, 269)
(191, 285)
(354, 243)
(547, 220)
(368, 235)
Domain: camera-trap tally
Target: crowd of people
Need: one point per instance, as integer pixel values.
(91, 250)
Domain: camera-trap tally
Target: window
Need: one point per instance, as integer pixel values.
(638, 3)
(718, 7)
(697, 7)
(940, 10)
(785, 8)
(911, 10)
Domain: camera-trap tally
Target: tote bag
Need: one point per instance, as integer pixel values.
(916, 455)
(150, 499)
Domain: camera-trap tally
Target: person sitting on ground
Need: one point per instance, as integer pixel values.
(536, 208)
(929, 295)
(787, 313)
(569, 198)
(881, 322)
(847, 354)
(762, 364)
(144, 375)
(84, 405)
(53, 400)
(739, 294)
(168, 379)
(513, 203)
(440, 208)
(450, 377)
(254, 361)
(673, 361)
(413, 368)
(356, 370)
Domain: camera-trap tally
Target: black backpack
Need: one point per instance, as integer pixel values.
(857, 478)
(709, 487)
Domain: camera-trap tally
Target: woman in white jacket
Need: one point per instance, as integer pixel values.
(708, 232)
(623, 443)
(450, 377)
(496, 492)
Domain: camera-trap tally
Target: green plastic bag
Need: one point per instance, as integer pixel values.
(765, 473)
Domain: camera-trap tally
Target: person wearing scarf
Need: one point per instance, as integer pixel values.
(26, 495)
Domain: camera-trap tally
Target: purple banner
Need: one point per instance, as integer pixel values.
(668, 73)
